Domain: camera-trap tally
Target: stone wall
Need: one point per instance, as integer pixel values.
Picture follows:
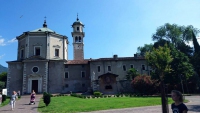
(14, 77)
(75, 82)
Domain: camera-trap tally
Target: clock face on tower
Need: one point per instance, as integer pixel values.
(78, 47)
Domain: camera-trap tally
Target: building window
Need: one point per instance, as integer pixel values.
(98, 68)
(35, 69)
(109, 68)
(83, 85)
(37, 51)
(66, 74)
(77, 28)
(132, 66)
(22, 53)
(66, 85)
(124, 67)
(66, 66)
(108, 87)
(143, 67)
(57, 52)
(79, 39)
(83, 65)
(83, 74)
(76, 39)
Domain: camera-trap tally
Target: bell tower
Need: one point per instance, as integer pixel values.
(78, 35)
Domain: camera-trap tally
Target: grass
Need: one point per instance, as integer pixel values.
(68, 104)
(5, 103)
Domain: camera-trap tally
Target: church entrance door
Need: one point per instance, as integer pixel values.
(35, 86)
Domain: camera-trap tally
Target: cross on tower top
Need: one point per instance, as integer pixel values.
(45, 25)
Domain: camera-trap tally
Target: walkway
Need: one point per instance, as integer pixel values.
(22, 106)
(193, 106)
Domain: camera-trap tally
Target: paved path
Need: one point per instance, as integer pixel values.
(193, 106)
(22, 106)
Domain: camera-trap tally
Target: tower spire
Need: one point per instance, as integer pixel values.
(45, 24)
(77, 17)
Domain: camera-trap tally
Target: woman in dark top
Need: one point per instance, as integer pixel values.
(178, 106)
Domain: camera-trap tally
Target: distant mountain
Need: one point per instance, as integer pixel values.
(3, 69)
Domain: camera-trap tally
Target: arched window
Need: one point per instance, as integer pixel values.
(79, 39)
(76, 39)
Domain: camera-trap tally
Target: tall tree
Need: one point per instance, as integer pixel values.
(145, 48)
(171, 33)
(196, 44)
(160, 59)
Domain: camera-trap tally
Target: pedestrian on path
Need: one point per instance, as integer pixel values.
(13, 100)
(178, 106)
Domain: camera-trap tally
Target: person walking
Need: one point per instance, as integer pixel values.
(13, 100)
(178, 106)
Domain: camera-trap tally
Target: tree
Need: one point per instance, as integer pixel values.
(131, 74)
(168, 32)
(177, 35)
(145, 48)
(181, 62)
(160, 59)
(196, 44)
(196, 56)
(3, 78)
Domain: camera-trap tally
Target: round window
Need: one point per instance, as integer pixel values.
(35, 69)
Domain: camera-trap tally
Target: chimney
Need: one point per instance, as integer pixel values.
(115, 57)
(135, 55)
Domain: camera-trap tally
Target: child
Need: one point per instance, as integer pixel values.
(178, 106)
(13, 100)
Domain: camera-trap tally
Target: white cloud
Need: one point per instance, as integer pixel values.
(1, 56)
(2, 42)
(12, 40)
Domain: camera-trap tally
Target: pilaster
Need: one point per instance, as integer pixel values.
(24, 79)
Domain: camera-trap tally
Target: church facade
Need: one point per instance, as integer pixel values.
(42, 65)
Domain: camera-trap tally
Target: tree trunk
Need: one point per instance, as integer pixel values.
(164, 101)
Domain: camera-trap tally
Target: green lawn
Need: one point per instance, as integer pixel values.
(5, 102)
(68, 104)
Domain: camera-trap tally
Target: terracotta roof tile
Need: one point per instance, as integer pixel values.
(77, 62)
(119, 58)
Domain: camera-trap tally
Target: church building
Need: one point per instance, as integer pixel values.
(42, 65)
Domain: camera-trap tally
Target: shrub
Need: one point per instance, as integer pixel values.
(144, 85)
(46, 98)
(105, 96)
(126, 95)
(3, 98)
(44, 93)
(117, 95)
(97, 94)
(109, 96)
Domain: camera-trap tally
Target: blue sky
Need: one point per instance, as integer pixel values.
(111, 26)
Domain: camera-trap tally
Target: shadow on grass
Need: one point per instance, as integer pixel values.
(195, 108)
(38, 107)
